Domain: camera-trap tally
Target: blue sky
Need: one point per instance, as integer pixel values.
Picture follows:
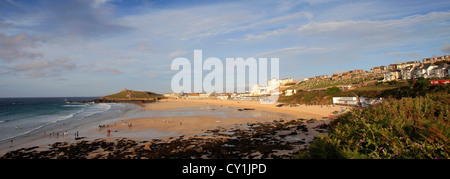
(98, 47)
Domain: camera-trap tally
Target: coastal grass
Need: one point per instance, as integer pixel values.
(315, 97)
(408, 128)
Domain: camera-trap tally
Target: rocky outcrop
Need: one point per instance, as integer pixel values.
(127, 96)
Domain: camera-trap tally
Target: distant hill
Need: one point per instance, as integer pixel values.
(130, 94)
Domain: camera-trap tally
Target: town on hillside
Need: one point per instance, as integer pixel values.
(431, 68)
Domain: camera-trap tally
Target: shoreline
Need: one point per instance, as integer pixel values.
(194, 126)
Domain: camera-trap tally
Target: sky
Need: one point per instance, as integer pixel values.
(54, 48)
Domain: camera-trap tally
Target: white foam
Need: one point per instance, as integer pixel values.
(45, 120)
(75, 105)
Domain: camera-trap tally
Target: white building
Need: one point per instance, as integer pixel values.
(272, 87)
(356, 101)
(408, 73)
(440, 71)
(290, 92)
(222, 97)
(285, 80)
(392, 75)
(345, 100)
(426, 71)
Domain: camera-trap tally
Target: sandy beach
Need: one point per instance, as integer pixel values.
(300, 111)
(197, 125)
(189, 123)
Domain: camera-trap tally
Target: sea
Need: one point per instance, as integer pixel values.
(26, 119)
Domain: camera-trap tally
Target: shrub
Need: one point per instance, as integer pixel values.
(405, 128)
(394, 82)
(421, 84)
(332, 90)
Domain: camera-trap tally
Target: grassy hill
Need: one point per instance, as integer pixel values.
(130, 94)
(315, 84)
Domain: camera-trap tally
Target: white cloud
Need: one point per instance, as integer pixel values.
(16, 47)
(446, 48)
(32, 66)
(110, 70)
(178, 53)
(101, 40)
(83, 18)
(97, 3)
(375, 29)
(210, 21)
(290, 52)
(43, 68)
(144, 47)
(369, 27)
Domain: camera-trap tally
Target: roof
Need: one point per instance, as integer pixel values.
(444, 66)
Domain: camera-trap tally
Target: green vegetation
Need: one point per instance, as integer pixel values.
(129, 94)
(400, 89)
(333, 90)
(313, 84)
(397, 90)
(412, 123)
(315, 97)
(420, 88)
(421, 84)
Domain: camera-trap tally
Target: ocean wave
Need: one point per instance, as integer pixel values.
(75, 105)
(46, 120)
(42, 121)
(94, 109)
